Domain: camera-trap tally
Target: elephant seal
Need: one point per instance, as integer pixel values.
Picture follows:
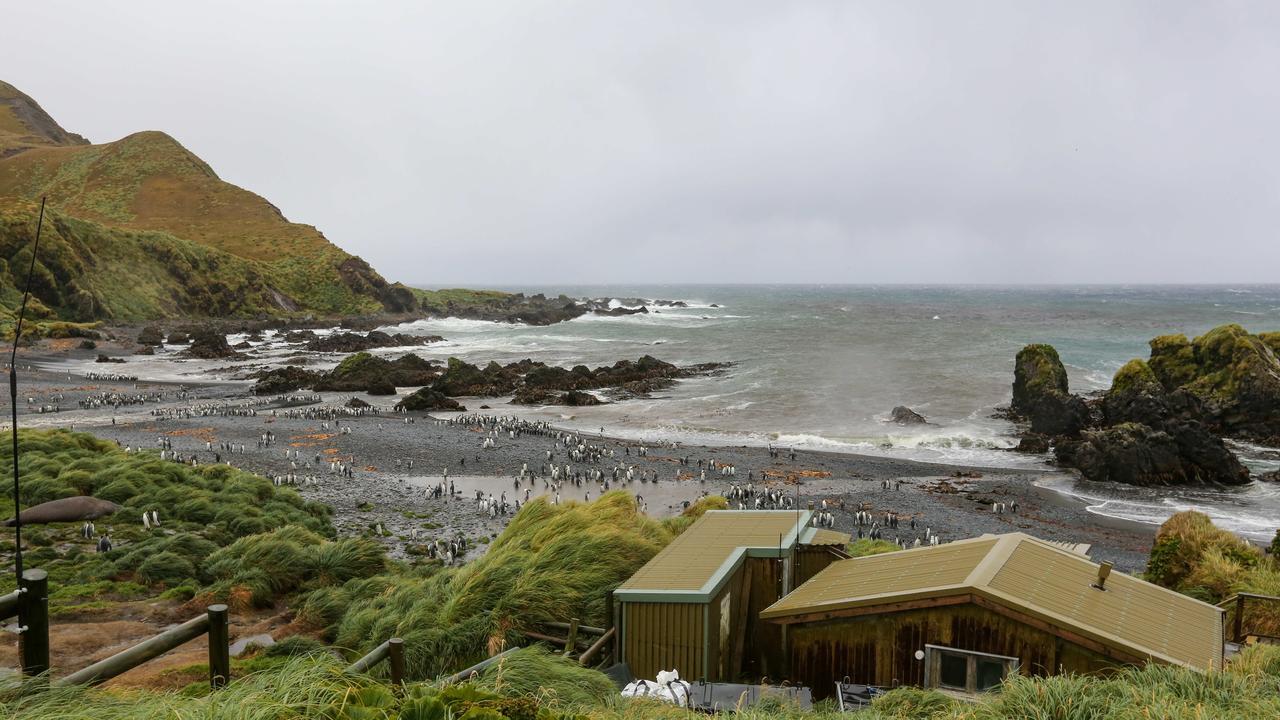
(81, 507)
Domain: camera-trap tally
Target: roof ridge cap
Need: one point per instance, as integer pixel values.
(995, 559)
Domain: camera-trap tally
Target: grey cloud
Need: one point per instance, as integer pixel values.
(569, 142)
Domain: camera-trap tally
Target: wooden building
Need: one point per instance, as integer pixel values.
(963, 615)
(695, 606)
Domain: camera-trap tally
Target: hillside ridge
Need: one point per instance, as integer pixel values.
(142, 228)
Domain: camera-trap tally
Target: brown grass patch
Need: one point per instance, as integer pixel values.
(792, 477)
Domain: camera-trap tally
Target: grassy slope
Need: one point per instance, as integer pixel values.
(149, 184)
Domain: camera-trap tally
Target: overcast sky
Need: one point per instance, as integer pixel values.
(572, 142)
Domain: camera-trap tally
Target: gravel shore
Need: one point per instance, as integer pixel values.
(395, 457)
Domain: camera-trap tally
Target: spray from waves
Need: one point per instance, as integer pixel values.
(1152, 506)
(442, 326)
(652, 318)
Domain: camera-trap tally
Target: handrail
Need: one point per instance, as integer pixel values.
(392, 650)
(1246, 595)
(9, 605)
(1236, 603)
(590, 652)
(464, 674)
(214, 622)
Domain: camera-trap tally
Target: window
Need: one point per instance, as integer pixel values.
(953, 671)
(965, 670)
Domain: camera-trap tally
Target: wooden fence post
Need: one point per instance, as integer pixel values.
(219, 650)
(396, 657)
(33, 618)
(573, 637)
(1239, 634)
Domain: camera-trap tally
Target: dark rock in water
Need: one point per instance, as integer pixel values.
(1135, 454)
(151, 335)
(1033, 443)
(299, 336)
(209, 344)
(279, 381)
(254, 337)
(904, 415)
(1040, 393)
(178, 338)
(536, 396)
(363, 371)
(87, 345)
(356, 402)
(485, 407)
(242, 345)
(426, 399)
(351, 342)
(81, 507)
(145, 350)
(1273, 476)
(715, 305)
(103, 358)
(618, 311)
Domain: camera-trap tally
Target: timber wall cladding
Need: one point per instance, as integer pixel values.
(663, 636)
(880, 649)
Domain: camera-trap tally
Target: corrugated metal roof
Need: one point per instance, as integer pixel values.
(823, 536)
(709, 550)
(863, 581)
(1030, 576)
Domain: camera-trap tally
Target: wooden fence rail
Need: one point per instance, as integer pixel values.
(30, 602)
(1258, 624)
(392, 651)
(213, 622)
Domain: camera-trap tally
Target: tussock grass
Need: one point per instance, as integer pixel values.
(225, 531)
(551, 563)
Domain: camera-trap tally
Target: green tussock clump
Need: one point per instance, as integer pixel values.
(554, 680)
(1189, 551)
(551, 563)
(1134, 376)
(286, 560)
(1196, 558)
(221, 528)
(866, 546)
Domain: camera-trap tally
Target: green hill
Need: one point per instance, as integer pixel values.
(142, 228)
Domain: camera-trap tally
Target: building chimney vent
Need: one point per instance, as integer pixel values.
(1104, 570)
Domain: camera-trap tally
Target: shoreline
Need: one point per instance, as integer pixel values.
(386, 493)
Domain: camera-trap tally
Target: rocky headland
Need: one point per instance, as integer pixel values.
(1164, 420)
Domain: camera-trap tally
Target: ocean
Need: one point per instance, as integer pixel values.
(820, 367)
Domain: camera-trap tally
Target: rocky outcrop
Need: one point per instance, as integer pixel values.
(1041, 395)
(377, 376)
(279, 381)
(426, 399)
(1235, 375)
(1136, 454)
(1151, 427)
(537, 396)
(151, 335)
(209, 344)
(619, 311)
(528, 381)
(904, 415)
(178, 338)
(351, 342)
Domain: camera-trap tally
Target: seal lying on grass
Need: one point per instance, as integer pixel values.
(82, 507)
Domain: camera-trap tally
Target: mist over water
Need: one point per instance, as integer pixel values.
(820, 367)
